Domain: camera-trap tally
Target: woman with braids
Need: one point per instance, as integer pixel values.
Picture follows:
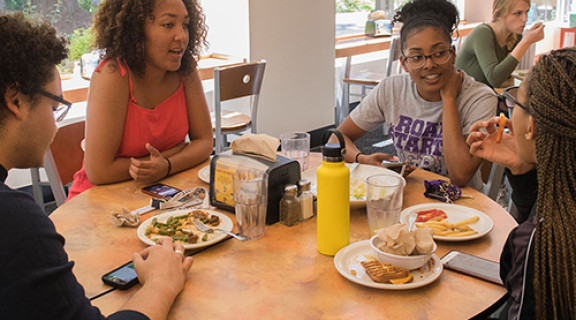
(492, 50)
(429, 109)
(538, 263)
(36, 277)
(146, 96)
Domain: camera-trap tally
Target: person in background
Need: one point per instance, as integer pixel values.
(36, 278)
(430, 109)
(538, 263)
(146, 95)
(492, 50)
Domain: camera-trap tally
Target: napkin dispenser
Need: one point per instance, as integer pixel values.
(280, 173)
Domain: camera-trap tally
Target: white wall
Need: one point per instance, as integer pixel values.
(228, 31)
(297, 39)
(477, 10)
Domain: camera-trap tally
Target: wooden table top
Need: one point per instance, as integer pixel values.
(280, 275)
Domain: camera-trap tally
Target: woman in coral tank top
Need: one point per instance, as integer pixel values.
(146, 95)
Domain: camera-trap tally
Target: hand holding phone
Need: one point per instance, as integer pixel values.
(472, 265)
(123, 277)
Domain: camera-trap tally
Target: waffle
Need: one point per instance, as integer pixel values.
(385, 273)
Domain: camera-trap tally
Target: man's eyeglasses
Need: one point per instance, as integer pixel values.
(511, 95)
(62, 110)
(438, 57)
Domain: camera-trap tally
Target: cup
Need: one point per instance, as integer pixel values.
(383, 200)
(250, 202)
(296, 145)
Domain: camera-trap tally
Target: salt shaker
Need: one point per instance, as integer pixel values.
(290, 211)
(306, 199)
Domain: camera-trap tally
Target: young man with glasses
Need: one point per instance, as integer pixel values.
(430, 108)
(36, 278)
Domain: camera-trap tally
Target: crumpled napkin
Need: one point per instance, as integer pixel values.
(398, 240)
(125, 218)
(261, 145)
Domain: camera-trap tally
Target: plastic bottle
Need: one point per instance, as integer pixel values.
(306, 199)
(333, 177)
(290, 211)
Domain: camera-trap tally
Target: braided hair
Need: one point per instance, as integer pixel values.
(418, 14)
(553, 107)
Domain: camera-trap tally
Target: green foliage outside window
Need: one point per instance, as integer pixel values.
(14, 5)
(89, 5)
(355, 5)
(80, 43)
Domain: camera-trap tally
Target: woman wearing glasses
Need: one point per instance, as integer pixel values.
(146, 96)
(429, 110)
(538, 263)
(492, 50)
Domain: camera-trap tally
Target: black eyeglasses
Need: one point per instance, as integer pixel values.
(511, 95)
(62, 110)
(438, 57)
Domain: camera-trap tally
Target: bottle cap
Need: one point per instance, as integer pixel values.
(304, 184)
(291, 189)
(333, 151)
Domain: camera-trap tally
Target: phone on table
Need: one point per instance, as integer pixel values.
(161, 190)
(396, 166)
(121, 278)
(472, 265)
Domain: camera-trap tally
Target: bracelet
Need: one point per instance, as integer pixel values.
(359, 153)
(169, 168)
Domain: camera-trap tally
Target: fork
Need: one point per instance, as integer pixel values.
(204, 228)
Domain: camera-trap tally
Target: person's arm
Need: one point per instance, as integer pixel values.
(535, 34)
(193, 153)
(484, 46)
(460, 164)
(351, 132)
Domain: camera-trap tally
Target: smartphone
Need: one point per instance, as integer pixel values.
(472, 265)
(395, 166)
(161, 190)
(122, 278)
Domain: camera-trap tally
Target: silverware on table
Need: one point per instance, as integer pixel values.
(204, 228)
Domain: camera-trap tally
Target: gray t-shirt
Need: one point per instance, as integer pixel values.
(415, 125)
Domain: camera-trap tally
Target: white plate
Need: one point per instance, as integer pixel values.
(204, 174)
(225, 224)
(357, 178)
(455, 213)
(349, 258)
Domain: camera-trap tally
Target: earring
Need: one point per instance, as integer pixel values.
(527, 136)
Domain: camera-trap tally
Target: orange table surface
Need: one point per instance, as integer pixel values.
(281, 276)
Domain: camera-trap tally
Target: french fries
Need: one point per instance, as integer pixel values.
(501, 126)
(444, 228)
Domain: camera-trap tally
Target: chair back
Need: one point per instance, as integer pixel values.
(64, 158)
(394, 58)
(236, 82)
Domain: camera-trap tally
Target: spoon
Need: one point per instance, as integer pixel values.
(412, 221)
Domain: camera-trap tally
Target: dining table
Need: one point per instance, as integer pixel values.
(281, 275)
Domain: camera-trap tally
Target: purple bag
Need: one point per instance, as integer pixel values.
(442, 190)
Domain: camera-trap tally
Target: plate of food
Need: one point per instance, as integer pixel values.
(357, 181)
(352, 261)
(204, 174)
(450, 222)
(178, 226)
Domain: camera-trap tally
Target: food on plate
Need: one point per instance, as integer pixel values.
(386, 273)
(357, 189)
(444, 228)
(181, 227)
(398, 240)
(501, 126)
(426, 215)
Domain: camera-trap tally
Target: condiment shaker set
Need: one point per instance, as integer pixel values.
(295, 208)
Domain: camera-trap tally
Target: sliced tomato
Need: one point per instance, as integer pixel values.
(426, 215)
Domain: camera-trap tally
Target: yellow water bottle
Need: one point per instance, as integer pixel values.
(333, 218)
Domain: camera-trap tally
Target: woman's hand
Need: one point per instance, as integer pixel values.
(504, 153)
(148, 171)
(453, 87)
(376, 159)
(534, 34)
(162, 267)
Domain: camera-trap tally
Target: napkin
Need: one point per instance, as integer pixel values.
(398, 240)
(261, 145)
(125, 218)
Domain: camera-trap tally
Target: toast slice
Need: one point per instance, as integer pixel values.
(385, 273)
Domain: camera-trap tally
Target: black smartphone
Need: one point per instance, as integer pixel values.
(472, 265)
(161, 190)
(122, 278)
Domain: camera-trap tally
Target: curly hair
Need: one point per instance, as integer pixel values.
(28, 56)
(553, 107)
(418, 14)
(502, 8)
(119, 30)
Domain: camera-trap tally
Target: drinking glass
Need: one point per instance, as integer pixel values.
(296, 145)
(383, 200)
(250, 202)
